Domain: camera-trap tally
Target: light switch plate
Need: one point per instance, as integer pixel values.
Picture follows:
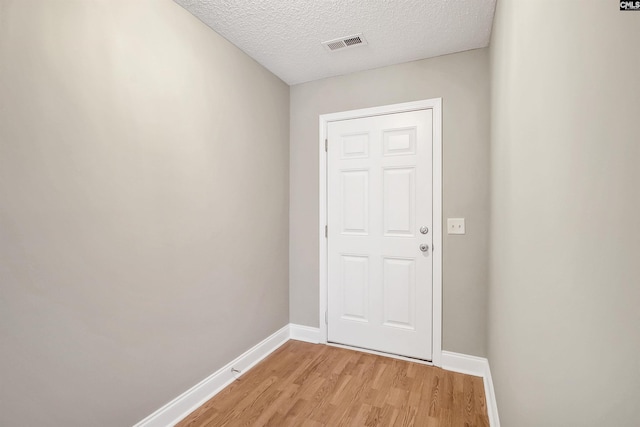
(455, 226)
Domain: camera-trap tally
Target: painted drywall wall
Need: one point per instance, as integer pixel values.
(462, 80)
(564, 323)
(143, 208)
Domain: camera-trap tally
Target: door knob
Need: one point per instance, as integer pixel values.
(424, 247)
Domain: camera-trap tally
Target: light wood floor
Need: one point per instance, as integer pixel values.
(311, 385)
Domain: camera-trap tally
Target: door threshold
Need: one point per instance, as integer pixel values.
(381, 353)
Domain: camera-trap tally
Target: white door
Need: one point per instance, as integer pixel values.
(379, 209)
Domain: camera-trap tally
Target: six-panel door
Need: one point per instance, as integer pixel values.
(379, 195)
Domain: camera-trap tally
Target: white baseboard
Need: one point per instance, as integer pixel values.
(479, 367)
(305, 333)
(196, 396)
(492, 406)
(464, 364)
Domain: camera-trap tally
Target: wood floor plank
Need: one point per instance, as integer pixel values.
(311, 385)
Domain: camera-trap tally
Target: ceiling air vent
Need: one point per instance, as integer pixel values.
(345, 42)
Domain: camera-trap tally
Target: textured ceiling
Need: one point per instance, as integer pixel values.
(285, 35)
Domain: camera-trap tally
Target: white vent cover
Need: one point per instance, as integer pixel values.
(345, 42)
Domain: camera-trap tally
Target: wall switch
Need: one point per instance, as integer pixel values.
(455, 226)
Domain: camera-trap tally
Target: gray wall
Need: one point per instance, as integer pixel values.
(462, 80)
(564, 322)
(143, 208)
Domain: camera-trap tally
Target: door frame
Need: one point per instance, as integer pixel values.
(434, 104)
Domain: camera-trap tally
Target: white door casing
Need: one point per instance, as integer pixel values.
(384, 173)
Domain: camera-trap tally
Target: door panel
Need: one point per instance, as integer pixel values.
(399, 142)
(355, 279)
(378, 196)
(399, 207)
(355, 201)
(399, 293)
(355, 146)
